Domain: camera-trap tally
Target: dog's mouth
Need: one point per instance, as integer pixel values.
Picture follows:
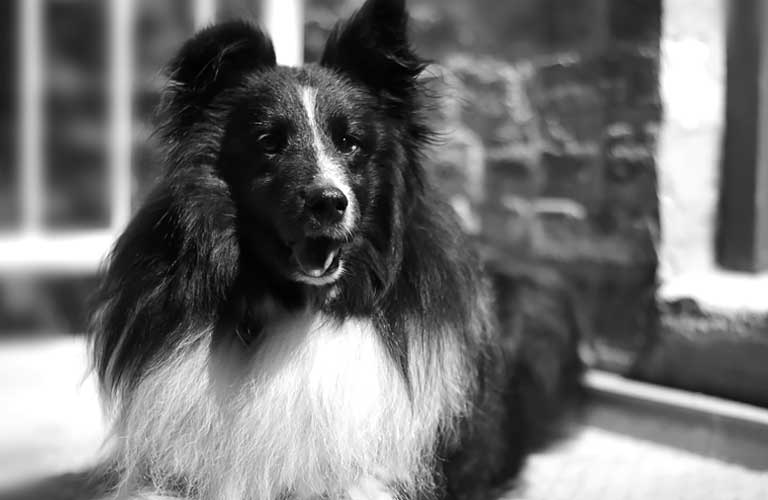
(317, 259)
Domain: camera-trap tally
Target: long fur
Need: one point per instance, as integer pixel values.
(228, 380)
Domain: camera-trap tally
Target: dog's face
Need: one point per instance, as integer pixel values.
(300, 157)
(316, 159)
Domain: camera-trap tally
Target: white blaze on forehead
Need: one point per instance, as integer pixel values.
(329, 170)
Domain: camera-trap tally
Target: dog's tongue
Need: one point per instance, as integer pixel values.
(315, 256)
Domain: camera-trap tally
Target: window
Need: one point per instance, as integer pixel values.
(81, 160)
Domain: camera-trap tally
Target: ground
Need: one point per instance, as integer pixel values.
(50, 423)
(599, 464)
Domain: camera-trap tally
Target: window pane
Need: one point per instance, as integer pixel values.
(9, 118)
(76, 120)
(161, 27)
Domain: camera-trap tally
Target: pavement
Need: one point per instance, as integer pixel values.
(50, 419)
(50, 423)
(599, 464)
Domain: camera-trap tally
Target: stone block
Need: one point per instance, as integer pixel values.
(569, 104)
(494, 100)
(572, 133)
(566, 82)
(508, 227)
(458, 164)
(637, 21)
(510, 175)
(506, 29)
(630, 174)
(560, 237)
(570, 176)
(630, 77)
(575, 24)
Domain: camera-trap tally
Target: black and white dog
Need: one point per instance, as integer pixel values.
(294, 313)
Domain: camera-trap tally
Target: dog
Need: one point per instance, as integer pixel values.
(294, 312)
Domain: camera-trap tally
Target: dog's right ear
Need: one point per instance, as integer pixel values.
(214, 59)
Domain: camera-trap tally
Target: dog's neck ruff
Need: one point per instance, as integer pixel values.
(316, 408)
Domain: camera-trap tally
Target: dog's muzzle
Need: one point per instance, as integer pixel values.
(317, 254)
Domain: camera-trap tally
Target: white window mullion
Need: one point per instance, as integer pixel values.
(31, 88)
(121, 98)
(284, 21)
(204, 13)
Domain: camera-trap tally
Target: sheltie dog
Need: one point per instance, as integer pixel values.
(294, 313)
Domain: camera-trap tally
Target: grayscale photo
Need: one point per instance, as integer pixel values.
(383, 250)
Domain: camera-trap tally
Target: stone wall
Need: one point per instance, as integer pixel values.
(549, 114)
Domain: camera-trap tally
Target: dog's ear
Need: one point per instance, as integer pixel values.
(213, 60)
(372, 47)
(173, 269)
(168, 278)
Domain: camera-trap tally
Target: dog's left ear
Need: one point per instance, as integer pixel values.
(372, 48)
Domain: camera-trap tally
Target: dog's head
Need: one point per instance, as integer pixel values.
(293, 183)
(313, 157)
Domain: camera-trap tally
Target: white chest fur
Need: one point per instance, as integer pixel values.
(319, 408)
(330, 405)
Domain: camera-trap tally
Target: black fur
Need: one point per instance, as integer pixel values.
(213, 242)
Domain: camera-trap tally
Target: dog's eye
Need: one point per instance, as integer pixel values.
(271, 142)
(347, 144)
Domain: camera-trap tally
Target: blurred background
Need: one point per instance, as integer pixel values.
(606, 155)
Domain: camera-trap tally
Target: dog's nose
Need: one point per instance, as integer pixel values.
(326, 204)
